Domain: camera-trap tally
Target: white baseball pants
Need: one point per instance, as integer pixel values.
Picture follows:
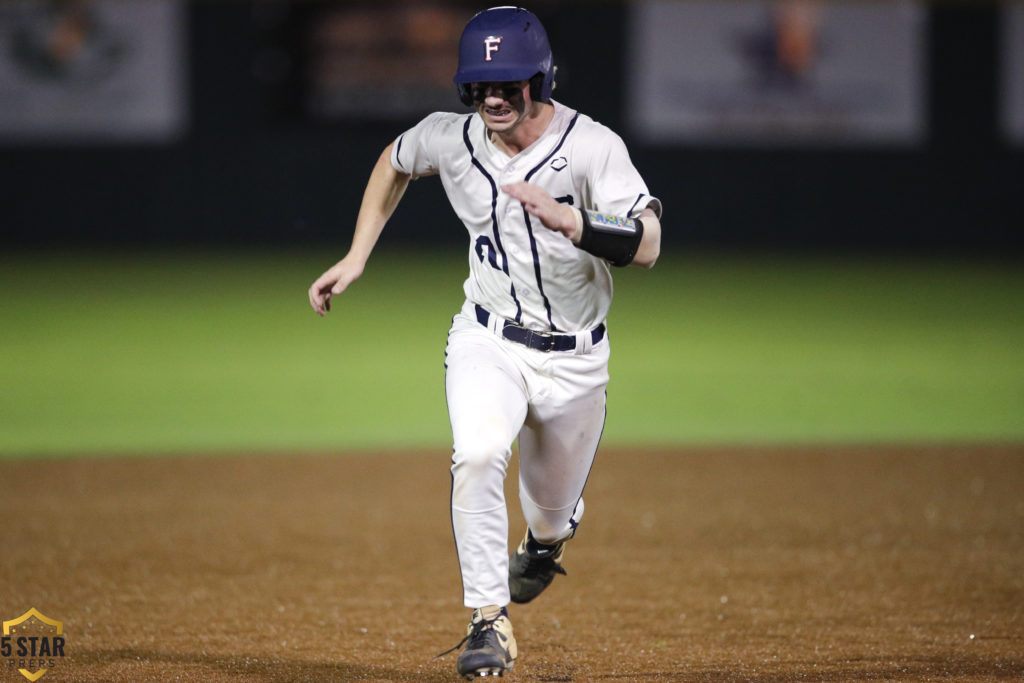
(554, 402)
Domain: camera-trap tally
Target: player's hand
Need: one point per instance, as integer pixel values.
(334, 281)
(552, 214)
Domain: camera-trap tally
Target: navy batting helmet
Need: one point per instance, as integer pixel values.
(505, 44)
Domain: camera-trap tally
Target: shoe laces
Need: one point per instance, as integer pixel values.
(476, 637)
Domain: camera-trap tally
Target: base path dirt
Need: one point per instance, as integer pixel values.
(752, 564)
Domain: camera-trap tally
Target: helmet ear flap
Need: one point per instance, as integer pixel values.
(542, 84)
(537, 87)
(465, 93)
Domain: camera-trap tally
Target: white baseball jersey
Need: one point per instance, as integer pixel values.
(520, 270)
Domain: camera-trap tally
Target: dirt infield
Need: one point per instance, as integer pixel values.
(696, 565)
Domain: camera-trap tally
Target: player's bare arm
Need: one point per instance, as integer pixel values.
(569, 221)
(383, 192)
(650, 246)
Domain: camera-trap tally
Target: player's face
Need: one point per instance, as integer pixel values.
(502, 106)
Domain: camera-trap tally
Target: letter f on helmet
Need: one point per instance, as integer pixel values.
(515, 48)
(491, 44)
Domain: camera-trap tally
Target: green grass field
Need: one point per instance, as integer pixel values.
(207, 351)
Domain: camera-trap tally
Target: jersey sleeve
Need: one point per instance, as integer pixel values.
(417, 151)
(613, 184)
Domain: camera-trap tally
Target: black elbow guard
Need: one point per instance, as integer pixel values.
(615, 238)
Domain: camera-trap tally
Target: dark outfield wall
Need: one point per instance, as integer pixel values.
(250, 172)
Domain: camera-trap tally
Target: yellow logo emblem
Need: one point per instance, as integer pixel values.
(32, 642)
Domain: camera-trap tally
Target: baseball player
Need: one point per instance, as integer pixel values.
(550, 200)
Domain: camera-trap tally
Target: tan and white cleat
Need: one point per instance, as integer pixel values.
(490, 645)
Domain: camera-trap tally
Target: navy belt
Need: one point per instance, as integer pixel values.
(541, 341)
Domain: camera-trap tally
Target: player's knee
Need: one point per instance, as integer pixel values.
(480, 460)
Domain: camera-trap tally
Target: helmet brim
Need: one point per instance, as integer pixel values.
(504, 74)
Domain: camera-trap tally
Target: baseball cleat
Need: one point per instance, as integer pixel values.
(490, 645)
(532, 568)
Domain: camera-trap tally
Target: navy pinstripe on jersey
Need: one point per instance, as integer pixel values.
(529, 224)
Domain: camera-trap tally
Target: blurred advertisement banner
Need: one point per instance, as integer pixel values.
(92, 71)
(382, 60)
(1013, 71)
(786, 72)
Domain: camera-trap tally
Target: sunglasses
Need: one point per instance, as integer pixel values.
(504, 90)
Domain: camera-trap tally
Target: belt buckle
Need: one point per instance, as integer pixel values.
(544, 341)
(531, 339)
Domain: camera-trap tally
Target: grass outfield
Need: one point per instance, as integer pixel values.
(209, 351)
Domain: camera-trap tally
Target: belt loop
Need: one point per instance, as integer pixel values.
(494, 323)
(584, 343)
